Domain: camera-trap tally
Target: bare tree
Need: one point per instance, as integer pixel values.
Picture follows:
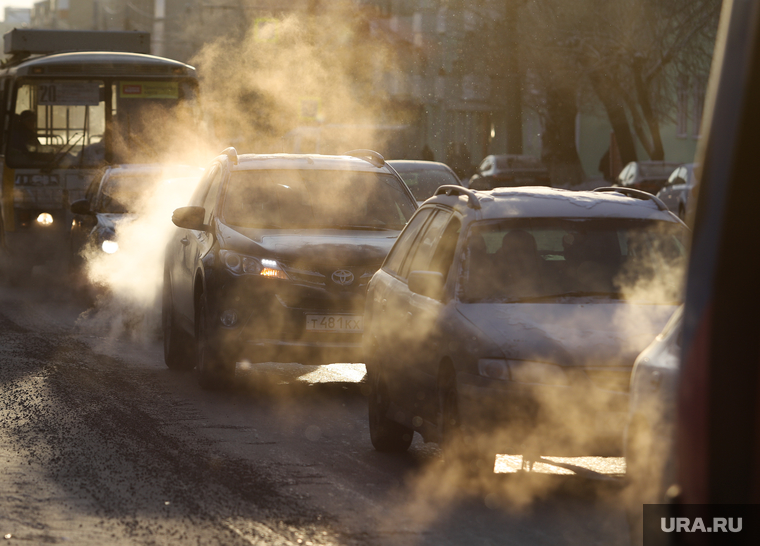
(630, 52)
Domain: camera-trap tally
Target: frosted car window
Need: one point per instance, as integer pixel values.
(421, 255)
(630, 259)
(405, 240)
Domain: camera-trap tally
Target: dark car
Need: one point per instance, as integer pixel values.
(114, 199)
(648, 176)
(424, 177)
(509, 321)
(272, 259)
(508, 171)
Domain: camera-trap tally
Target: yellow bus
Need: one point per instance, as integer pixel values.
(74, 102)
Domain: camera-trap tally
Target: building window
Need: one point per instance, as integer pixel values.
(682, 107)
(698, 104)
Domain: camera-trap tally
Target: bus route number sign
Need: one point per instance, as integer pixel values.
(68, 93)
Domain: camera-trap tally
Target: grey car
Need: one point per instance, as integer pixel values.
(508, 321)
(679, 190)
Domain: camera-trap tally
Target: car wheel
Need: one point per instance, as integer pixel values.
(177, 353)
(386, 435)
(213, 372)
(457, 447)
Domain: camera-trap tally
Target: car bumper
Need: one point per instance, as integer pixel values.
(574, 419)
(271, 324)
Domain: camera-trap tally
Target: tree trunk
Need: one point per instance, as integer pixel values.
(658, 152)
(559, 151)
(618, 119)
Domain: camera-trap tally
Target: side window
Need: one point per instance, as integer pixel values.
(199, 196)
(421, 255)
(405, 240)
(443, 255)
(212, 194)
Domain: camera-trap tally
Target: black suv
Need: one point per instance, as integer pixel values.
(272, 259)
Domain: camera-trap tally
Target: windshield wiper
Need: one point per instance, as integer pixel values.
(60, 154)
(574, 294)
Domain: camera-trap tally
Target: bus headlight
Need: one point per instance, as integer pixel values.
(109, 247)
(45, 219)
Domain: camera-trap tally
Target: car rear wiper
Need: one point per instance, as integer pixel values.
(574, 294)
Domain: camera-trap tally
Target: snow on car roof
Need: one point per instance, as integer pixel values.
(304, 161)
(537, 202)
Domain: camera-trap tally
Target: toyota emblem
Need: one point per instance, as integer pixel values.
(342, 277)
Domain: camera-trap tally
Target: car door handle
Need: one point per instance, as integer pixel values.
(185, 241)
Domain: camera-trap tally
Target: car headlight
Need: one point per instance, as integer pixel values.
(45, 219)
(523, 371)
(240, 264)
(109, 247)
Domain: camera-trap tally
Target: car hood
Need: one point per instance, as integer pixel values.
(329, 247)
(570, 334)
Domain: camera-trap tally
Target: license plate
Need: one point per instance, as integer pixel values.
(345, 324)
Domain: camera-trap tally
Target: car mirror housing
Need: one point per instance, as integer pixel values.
(81, 206)
(426, 283)
(190, 218)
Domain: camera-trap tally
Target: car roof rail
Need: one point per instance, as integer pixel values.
(636, 194)
(232, 154)
(472, 199)
(370, 156)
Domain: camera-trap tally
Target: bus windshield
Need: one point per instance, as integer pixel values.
(86, 123)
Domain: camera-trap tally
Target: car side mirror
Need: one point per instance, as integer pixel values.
(81, 206)
(426, 283)
(190, 218)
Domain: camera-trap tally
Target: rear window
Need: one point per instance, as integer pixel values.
(545, 259)
(424, 182)
(316, 199)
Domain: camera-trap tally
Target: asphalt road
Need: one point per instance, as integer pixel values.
(101, 444)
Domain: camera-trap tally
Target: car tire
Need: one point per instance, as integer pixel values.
(387, 435)
(457, 448)
(177, 353)
(214, 373)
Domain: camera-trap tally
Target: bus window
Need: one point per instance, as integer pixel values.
(57, 124)
(145, 113)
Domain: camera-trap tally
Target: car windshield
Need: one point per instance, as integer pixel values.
(423, 182)
(121, 193)
(314, 199)
(125, 192)
(548, 259)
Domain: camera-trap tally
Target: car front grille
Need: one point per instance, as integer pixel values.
(353, 278)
